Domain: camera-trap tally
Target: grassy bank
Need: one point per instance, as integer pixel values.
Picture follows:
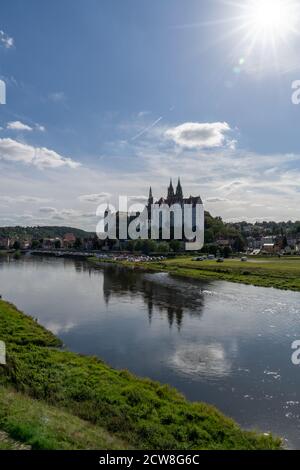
(283, 273)
(41, 426)
(51, 398)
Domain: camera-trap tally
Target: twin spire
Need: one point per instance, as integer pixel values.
(172, 195)
(178, 194)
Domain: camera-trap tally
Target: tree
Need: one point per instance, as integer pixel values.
(284, 242)
(16, 245)
(96, 243)
(149, 246)
(35, 244)
(227, 251)
(213, 249)
(239, 244)
(138, 246)
(57, 244)
(129, 246)
(163, 247)
(175, 245)
(78, 243)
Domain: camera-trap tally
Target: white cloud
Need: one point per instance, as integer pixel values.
(141, 199)
(236, 184)
(40, 157)
(18, 126)
(213, 200)
(23, 199)
(5, 40)
(94, 198)
(193, 135)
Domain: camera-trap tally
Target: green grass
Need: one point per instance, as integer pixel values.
(47, 427)
(139, 412)
(283, 273)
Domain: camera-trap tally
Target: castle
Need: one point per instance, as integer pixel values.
(155, 219)
(173, 197)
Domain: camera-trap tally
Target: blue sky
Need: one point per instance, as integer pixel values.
(107, 97)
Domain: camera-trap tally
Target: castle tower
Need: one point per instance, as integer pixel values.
(150, 202)
(179, 193)
(150, 199)
(171, 194)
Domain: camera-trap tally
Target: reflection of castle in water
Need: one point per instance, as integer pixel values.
(167, 297)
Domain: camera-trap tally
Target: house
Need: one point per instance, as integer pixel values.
(5, 243)
(25, 244)
(270, 248)
(254, 243)
(69, 240)
(50, 243)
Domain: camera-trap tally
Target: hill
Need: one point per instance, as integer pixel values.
(37, 233)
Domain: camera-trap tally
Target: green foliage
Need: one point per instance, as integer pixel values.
(35, 244)
(20, 329)
(78, 243)
(283, 273)
(163, 247)
(175, 246)
(57, 244)
(216, 229)
(38, 233)
(47, 427)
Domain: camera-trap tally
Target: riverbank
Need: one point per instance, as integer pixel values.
(279, 273)
(51, 398)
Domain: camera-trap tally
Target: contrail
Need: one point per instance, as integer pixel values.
(146, 129)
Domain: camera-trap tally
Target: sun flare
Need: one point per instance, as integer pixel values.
(274, 19)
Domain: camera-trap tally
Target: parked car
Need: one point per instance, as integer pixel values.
(220, 260)
(244, 259)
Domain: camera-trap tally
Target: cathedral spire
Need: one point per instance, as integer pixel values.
(170, 190)
(179, 193)
(150, 199)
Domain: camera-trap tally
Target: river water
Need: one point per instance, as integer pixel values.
(223, 343)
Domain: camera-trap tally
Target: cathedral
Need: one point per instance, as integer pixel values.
(154, 220)
(173, 197)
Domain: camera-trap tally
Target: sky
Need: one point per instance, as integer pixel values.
(105, 98)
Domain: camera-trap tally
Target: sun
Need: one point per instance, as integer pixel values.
(273, 19)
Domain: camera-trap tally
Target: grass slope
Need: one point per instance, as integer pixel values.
(47, 427)
(140, 412)
(283, 273)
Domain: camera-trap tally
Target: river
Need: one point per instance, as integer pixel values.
(223, 343)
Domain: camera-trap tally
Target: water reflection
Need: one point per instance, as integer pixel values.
(226, 344)
(158, 292)
(208, 360)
